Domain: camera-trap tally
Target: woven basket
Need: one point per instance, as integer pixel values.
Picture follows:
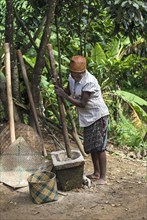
(43, 187)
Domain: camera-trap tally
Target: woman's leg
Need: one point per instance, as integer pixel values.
(102, 166)
(95, 160)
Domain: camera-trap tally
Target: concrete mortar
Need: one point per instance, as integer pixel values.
(69, 171)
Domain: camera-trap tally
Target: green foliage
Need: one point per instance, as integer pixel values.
(30, 16)
(129, 17)
(2, 20)
(134, 102)
(49, 96)
(114, 70)
(97, 54)
(90, 28)
(141, 92)
(80, 25)
(111, 62)
(124, 133)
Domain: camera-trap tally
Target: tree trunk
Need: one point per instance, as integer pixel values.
(41, 53)
(9, 34)
(9, 24)
(3, 96)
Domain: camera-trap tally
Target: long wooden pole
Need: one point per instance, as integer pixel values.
(60, 104)
(9, 92)
(25, 77)
(74, 130)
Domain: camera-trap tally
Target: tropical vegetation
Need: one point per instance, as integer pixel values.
(111, 34)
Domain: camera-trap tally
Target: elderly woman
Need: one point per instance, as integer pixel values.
(84, 92)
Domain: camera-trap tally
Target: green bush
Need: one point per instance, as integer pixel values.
(124, 133)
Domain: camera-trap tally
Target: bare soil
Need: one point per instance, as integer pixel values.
(123, 198)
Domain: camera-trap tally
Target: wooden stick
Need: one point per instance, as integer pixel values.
(60, 104)
(9, 92)
(74, 131)
(25, 77)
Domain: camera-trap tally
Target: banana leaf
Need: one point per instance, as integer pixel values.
(134, 101)
(98, 54)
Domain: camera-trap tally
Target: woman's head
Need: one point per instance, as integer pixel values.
(77, 67)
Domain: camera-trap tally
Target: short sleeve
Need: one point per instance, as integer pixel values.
(90, 87)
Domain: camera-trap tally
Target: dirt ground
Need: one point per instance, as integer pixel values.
(123, 198)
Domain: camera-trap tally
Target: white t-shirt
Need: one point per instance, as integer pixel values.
(95, 107)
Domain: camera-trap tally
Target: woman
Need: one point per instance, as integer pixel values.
(84, 92)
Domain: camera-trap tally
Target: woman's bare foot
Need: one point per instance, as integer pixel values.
(102, 182)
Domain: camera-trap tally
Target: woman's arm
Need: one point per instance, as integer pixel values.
(66, 95)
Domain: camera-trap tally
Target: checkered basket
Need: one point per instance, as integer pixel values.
(43, 187)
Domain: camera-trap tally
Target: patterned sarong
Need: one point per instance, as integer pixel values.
(95, 136)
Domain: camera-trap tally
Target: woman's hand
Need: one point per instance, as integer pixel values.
(60, 92)
(79, 103)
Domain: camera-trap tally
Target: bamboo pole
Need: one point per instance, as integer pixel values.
(24, 73)
(60, 104)
(9, 92)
